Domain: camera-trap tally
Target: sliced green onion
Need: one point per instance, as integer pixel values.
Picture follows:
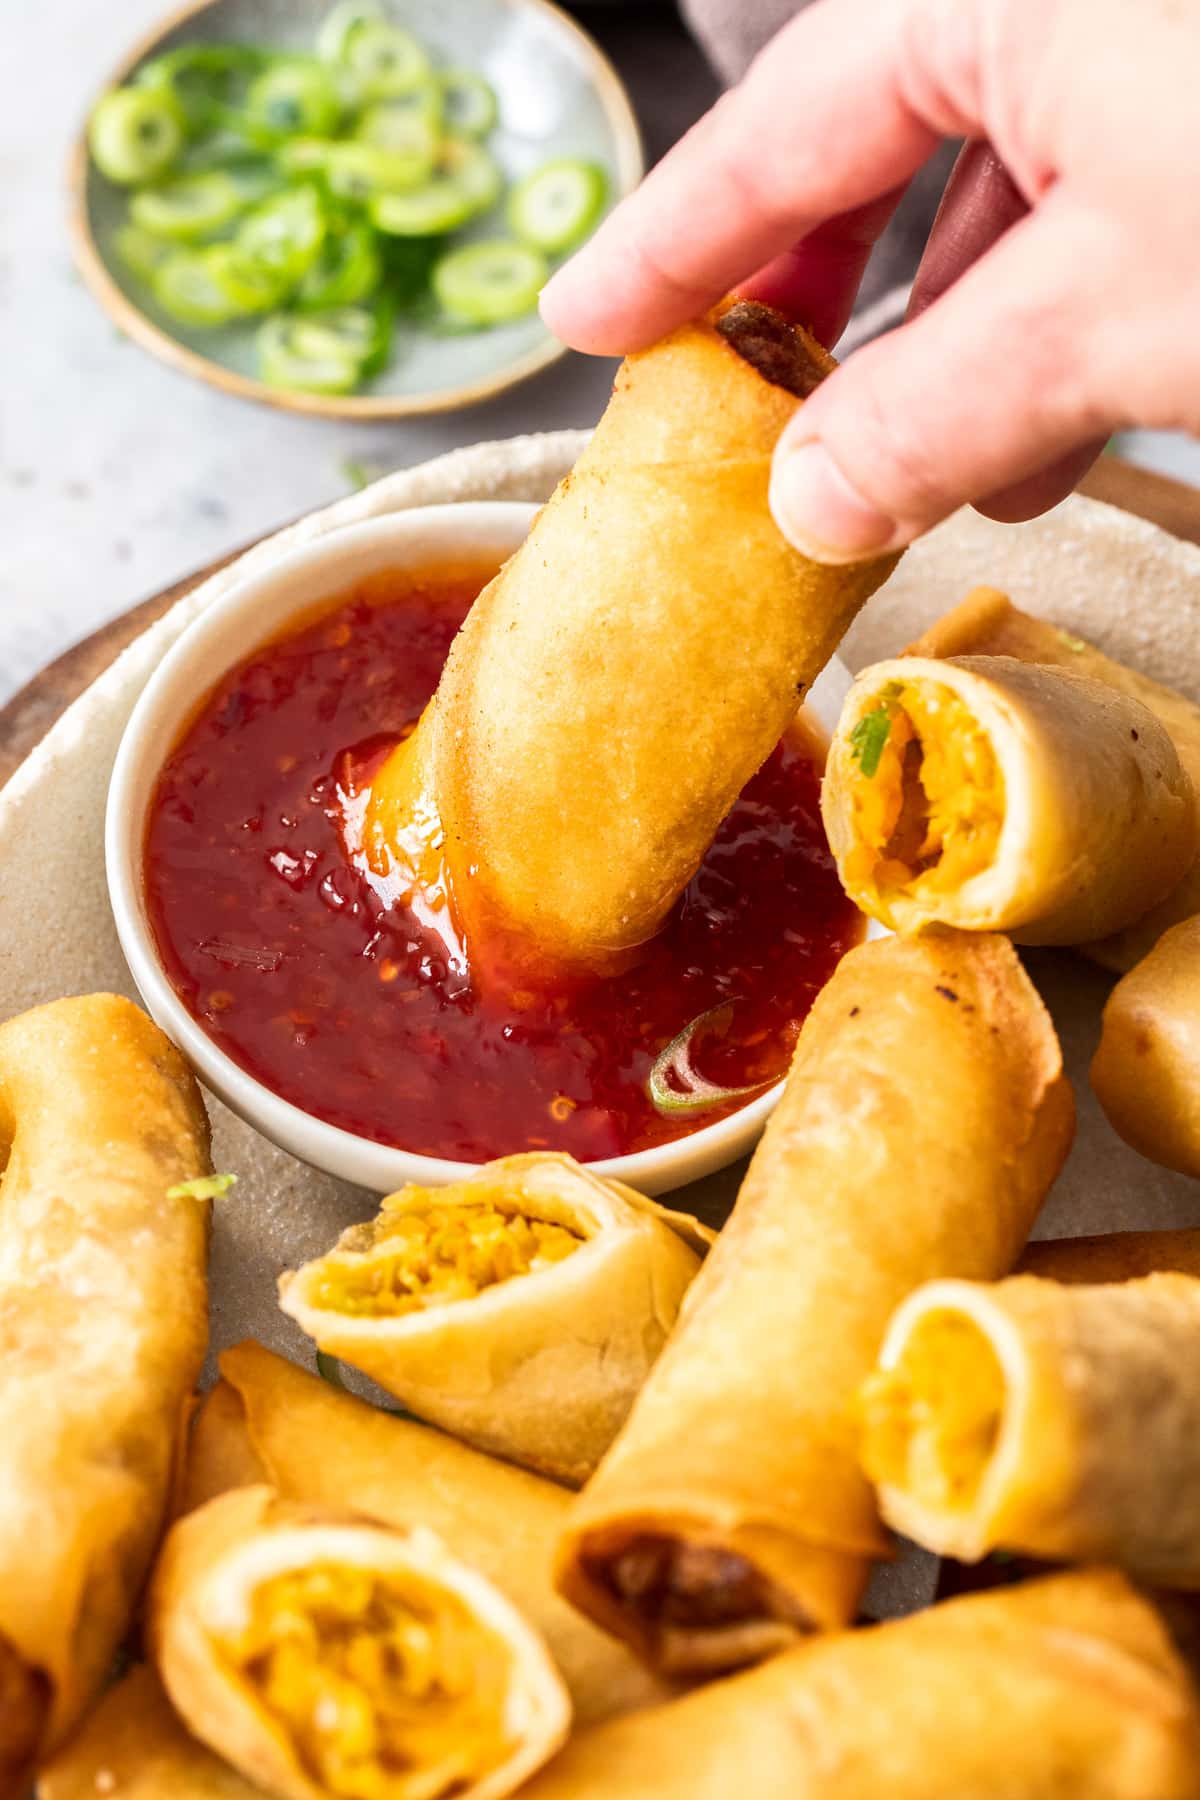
(358, 172)
(488, 283)
(192, 207)
(300, 353)
(431, 210)
(247, 286)
(207, 81)
(475, 172)
(394, 124)
(135, 135)
(347, 269)
(330, 1370)
(186, 287)
(285, 234)
(673, 1084)
(558, 204)
(384, 59)
(341, 23)
(468, 102)
(204, 1187)
(142, 253)
(292, 95)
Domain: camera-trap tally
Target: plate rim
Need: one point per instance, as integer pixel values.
(129, 318)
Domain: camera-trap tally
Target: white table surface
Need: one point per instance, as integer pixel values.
(117, 475)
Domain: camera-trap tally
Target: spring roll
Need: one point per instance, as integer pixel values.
(988, 624)
(268, 1421)
(996, 795)
(1114, 1256)
(1067, 1688)
(327, 1655)
(521, 1309)
(624, 675)
(1060, 1421)
(1146, 1071)
(922, 1122)
(103, 1320)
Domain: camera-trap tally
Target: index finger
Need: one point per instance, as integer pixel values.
(822, 124)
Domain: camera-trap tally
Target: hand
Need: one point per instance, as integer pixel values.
(1059, 298)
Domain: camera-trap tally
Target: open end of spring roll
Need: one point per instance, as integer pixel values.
(1066, 1688)
(1056, 1421)
(992, 794)
(988, 624)
(268, 1421)
(922, 1122)
(103, 1316)
(1146, 1071)
(572, 768)
(521, 1309)
(326, 1655)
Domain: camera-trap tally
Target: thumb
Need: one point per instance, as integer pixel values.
(1002, 375)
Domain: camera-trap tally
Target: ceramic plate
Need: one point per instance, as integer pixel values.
(558, 96)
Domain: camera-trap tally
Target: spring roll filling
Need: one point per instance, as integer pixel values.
(382, 1693)
(676, 1589)
(934, 1418)
(928, 805)
(404, 1261)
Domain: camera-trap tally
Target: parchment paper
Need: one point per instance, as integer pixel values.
(1116, 580)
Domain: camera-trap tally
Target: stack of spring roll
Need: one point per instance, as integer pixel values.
(619, 1544)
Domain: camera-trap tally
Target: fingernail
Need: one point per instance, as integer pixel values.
(821, 512)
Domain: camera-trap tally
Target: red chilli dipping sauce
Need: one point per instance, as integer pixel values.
(293, 965)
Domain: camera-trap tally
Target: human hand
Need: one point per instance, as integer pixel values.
(1057, 301)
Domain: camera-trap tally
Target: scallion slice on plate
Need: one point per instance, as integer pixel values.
(675, 1085)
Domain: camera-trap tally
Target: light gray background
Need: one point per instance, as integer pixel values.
(117, 475)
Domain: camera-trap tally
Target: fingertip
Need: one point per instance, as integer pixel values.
(822, 513)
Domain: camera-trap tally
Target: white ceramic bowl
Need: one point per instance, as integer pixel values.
(255, 609)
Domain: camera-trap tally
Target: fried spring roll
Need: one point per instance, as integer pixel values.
(1114, 1256)
(923, 1120)
(521, 1309)
(103, 1320)
(988, 624)
(1059, 1421)
(1146, 1071)
(1068, 1688)
(324, 1654)
(997, 795)
(267, 1421)
(628, 670)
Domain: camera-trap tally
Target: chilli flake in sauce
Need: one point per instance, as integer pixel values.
(288, 959)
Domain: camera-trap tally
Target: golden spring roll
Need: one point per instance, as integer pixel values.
(521, 1309)
(997, 795)
(103, 1320)
(629, 669)
(988, 624)
(1067, 1688)
(328, 1655)
(268, 1421)
(133, 1746)
(1059, 1421)
(1146, 1071)
(1114, 1256)
(923, 1120)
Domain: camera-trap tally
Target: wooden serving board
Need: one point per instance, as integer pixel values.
(28, 716)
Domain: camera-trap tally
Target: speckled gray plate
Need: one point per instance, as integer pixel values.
(558, 96)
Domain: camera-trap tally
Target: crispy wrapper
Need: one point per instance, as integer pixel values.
(1146, 1071)
(1067, 1688)
(326, 1654)
(923, 1120)
(521, 1309)
(103, 1321)
(268, 1421)
(1059, 1421)
(629, 669)
(988, 624)
(993, 794)
(1114, 1256)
